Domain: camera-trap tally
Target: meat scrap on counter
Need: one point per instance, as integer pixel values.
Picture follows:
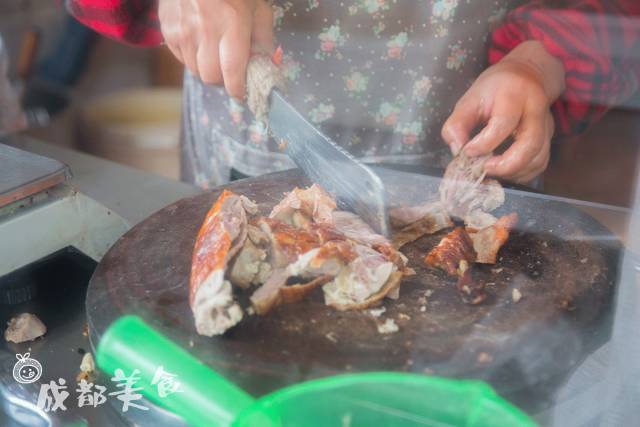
(303, 244)
(24, 327)
(454, 249)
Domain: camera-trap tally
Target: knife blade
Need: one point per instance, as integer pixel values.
(356, 187)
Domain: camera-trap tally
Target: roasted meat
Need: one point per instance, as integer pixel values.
(431, 222)
(24, 327)
(364, 276)
(488, 241)
(303, 244)
(466, 194)
(325, 261)
(288, 242)
(354, 228)
(251, 266)
(303, 206)
(222, 234)
(470, 288)
(454, 248)
(401, 216)
(263, 75)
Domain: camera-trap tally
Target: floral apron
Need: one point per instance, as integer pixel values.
(379, 77)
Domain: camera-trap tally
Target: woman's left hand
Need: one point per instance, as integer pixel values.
(510, 98)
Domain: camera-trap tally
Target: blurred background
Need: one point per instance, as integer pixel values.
(89, 93)
(92, 94)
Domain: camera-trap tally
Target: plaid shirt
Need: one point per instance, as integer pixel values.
(594, 39)
(133, 22)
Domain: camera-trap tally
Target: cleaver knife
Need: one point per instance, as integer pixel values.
(356, 187)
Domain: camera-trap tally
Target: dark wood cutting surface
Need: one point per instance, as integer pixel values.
(562, 262)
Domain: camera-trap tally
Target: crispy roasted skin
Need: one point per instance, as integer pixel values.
(453, 248)
(212, 245)
(220, 237)
(287, 241)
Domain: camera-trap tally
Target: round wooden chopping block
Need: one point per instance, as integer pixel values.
(561, 261)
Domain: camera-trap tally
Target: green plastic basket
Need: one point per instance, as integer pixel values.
(365, 399)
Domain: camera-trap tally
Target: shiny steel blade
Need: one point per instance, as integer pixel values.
(356, 187)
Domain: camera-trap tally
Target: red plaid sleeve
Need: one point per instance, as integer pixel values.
(594, 39)
(131, 21)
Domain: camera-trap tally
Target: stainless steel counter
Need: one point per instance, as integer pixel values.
(132, 194)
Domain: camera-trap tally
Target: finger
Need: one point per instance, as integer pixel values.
(529, 141)
(504, 119)
(234, 55)
(209, 63)
(465, 117)
(170, 27)
(538, 166)
(187, 42)
(175, 49)
(189, 56)
(541, 161)
(262, 33)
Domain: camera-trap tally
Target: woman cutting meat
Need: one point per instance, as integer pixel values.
(386, 78)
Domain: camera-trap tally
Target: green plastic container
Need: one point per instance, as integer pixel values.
(366, 399)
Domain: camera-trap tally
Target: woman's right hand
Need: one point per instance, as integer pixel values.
(214, 38)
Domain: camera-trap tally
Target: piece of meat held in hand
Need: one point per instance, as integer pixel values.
(454, 248)
(220, 237)
(264, 73)
(466, 194)
(488, 241)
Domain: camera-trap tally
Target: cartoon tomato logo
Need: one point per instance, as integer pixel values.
(26, 370)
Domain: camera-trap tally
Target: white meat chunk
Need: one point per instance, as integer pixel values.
(24, 327)
(362, 278)
(250, 266)
(213, 306)
(301, 206)
(464, 188)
